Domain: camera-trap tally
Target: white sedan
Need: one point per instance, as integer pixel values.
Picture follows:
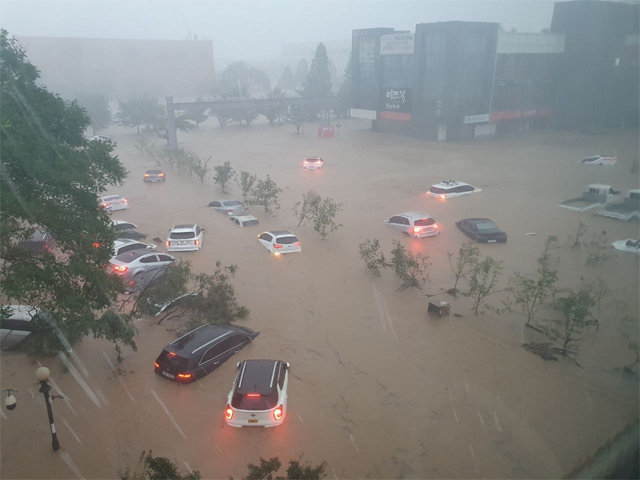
(629, 245)
(600, 160)
(113, 202)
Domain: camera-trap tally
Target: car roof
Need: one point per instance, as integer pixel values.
(450, 184)
(229, 201)
(109, 197)
(154, 171)
(414, 215)
(243, 218)
(479, 220)
(191, 343)
(280, 233)
(119, 242)
(184, 227)
(258, 376)
(314, 158)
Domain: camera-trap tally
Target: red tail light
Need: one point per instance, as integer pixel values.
(119, 269)
(228, 413)
(184, 376)
(416, 229)
(298, 244)
(156, 364)
(196, 242)
(124, 200)
(172, 354)
(253, 395)
(277, 245)
(96, 245)
(277, 413)
(435, 225)
(168, 243)
(229, 211)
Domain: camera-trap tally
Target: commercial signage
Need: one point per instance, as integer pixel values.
(396, 44)
(396, 100)
(477, 118)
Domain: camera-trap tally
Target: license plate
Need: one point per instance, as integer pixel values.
(252, 420)
(491, 241)
(168, 375)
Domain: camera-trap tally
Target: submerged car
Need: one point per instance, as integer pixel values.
(244, 220)
(201, 351)
(629, 245)
(258, 397)
(414, 224)
(154, 176)
(112, 203)
(39, 243)
(481, 230)
(599, 160)
(130, 264)
(184, 238)
(451, 189)
(230, 207)
(313, 163)
(127, 230)
(19, 324)
(280, 241)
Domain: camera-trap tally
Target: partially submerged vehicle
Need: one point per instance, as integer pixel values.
(626, 210)
(599, 160)
(630, 245)
(451, 188)
(595, 196)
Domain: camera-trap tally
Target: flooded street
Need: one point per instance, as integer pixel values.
(378, 389)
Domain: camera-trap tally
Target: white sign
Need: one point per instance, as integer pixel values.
(396, 44)
(476, 118)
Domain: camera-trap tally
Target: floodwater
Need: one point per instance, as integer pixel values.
(378, 388)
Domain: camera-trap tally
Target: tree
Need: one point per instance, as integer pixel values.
(302, 69)
(50, 174)
(345, 93)
(409, 267)
(318, 81)
(196, 113)
(287, 81)
(576, 309)
(246, 184)
(483, 280)
(274, 113)
(372, 255)
(224, 174)
(242, 80)
(158, 468)
(467, 255)
(296, 470)
(321, 211)
(141, 110)
(97, 108)
(530, 293)
(265, 193)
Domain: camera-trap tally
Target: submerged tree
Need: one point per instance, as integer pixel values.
(468, 254)
(97, 108)
(224, 174)
(266, 194)
(246, 183)
(411, 268)
(483, 280)
(50, 175)
(321, 211)
(372, 255)
(576, 308)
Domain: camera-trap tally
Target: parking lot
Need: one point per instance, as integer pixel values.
(377, 388)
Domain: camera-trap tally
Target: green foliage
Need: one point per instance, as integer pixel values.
(580, 233)
(409, 267)
(242, 80)
(372, 255)
(274, 113)
(158, 468)
(224, 174)
(196, 113)
(141, 110)
(483, 280)
(287, 82)
(300, 75)
(320, 211)
(461, 265)
(296, 470)
(318, 81)
(530, 293)
(50, 177)
(576, 308)
(206, 297)
(243, 113)
(265, 193)
(598, 250)
(246, 183)
(183, 160)
(97, 108)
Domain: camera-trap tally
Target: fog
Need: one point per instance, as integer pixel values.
(254, 30)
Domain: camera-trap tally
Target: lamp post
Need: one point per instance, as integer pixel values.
(42, 375)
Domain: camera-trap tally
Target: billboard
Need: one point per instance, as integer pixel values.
(396, 44)
(396, 100)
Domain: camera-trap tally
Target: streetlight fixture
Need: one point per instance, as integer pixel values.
(42, 375)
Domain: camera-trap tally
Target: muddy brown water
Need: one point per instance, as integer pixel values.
(378, 389)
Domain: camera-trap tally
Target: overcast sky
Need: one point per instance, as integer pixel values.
(256, 29)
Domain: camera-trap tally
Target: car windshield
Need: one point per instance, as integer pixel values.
(424, 222)
(286, 240)
(182, 235)
(175, 362)
(231, 203)
(486, 226)
(434, 189)
(313, 159)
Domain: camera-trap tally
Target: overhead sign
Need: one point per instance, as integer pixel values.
(396, 44)
(476, 118)
(396, 100)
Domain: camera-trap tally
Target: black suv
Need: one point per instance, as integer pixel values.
(201, 351)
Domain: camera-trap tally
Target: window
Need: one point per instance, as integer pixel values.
(212, 353)
(149, 259)
(165, 258)
(214, 204)
(266, 237)
(399, 220)
(124, 226)
(181, 235)
(133, 246)
(282, 376)
(232, 203)
(464, 188)
(287, 240)
(423, 222)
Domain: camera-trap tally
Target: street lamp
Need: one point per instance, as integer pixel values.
(42, 375)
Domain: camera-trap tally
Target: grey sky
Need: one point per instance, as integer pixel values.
(256, 29)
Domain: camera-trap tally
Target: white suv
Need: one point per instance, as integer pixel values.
(280, 241)
(414, 224)
(258, 397)
(185, 238)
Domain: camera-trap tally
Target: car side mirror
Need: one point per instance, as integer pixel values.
(238, 365)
